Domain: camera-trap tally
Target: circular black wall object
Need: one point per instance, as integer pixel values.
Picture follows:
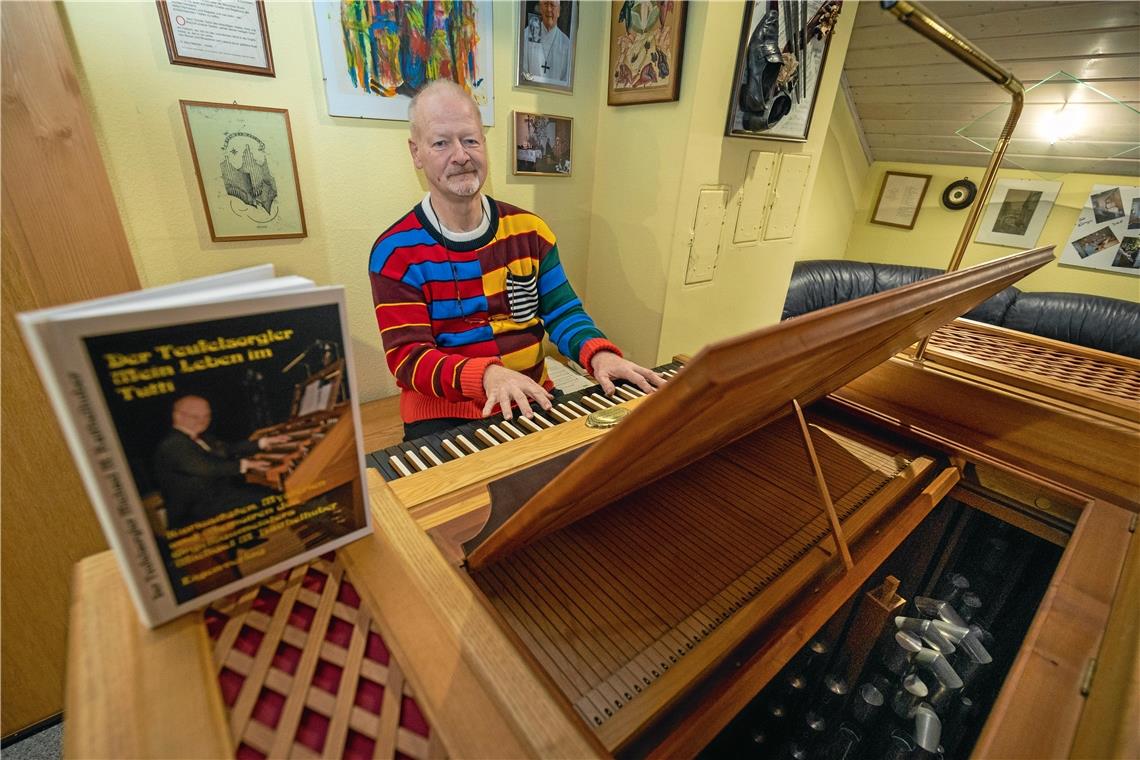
(958, 195)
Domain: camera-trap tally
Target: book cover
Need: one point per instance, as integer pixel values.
(218, 435)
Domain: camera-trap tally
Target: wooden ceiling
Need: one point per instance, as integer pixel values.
(910, 97)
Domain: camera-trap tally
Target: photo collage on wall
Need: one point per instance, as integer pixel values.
(1107, 233)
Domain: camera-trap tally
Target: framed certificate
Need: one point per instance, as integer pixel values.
(900, 198)
(230, 35)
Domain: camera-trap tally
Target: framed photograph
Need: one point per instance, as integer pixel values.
(779, 64)
(230, 35)
(646, 44)
(247, 171)
(543, 144)
(900, 199)
(1107, 233)
(1016, 212)
(548, 34)
(376, 56)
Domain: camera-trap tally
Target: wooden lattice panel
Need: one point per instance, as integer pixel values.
(304, 672)
(1113, 377)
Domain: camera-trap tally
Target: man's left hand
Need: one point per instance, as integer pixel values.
(607, 367)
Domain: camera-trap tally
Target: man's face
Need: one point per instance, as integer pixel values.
(448, 145)
(548, 10)
(192, 414)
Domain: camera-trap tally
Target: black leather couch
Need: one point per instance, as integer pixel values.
(1107, 324)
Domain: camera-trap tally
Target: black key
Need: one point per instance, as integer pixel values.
(379, 461)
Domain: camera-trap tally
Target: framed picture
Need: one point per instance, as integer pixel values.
(646, 43)
(376, 56)
(899, 199)
(231, 35)
(1107, 233)
(543, 144)
(779, 64)
(548, 34)
(1016, 212)
(247, 171)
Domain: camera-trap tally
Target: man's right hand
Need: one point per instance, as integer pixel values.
(505, 386)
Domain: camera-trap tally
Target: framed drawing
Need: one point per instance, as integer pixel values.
(646, 44)
(543, 144)
(247, 171)
(230, 35)
(376, 56)
(779, 65)
(899, 199)
(1107, 233)
(1016, 212)
(548, 36)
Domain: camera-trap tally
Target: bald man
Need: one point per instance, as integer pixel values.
(466, 286)
(199, 475)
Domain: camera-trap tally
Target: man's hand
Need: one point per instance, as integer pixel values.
(606, 367)
(504, 386)
(259, 465)
(269, 441)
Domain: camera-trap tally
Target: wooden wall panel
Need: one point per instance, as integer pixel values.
(62, 241)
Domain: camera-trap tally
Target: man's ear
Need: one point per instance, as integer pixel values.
(415, 151)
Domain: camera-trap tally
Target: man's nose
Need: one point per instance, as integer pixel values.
(459, 154)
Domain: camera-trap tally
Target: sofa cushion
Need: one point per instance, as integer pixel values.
(820, 283)
(1107, 324)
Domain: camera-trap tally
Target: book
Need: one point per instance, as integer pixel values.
(215, 426)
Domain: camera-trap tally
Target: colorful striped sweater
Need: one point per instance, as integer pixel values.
(447, 309)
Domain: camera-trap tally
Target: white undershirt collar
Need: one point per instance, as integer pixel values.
(457, 237)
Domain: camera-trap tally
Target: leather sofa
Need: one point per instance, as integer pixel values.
(1107, 324)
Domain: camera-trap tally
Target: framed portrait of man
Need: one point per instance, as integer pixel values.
(548, 31)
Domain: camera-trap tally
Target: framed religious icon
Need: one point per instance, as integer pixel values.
(548, 34)
(231, 35)
(647, 40)
(900, 199)
(247, 171)
(542, 144)
(779, 66)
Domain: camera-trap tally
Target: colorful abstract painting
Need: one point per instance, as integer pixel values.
(377, 54)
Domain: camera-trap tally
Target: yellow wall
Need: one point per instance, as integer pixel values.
(936, 230)
(356, 177)
(750, 281)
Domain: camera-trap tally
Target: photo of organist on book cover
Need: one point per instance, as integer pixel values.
(240, 439)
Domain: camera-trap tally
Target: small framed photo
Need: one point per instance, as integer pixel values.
(1016, 212)
(899, 200)
(543, 144)
(646, 44)
(231, 35)
(548, 34)
(247, 171)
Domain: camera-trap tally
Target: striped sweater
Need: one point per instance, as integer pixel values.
(447, 309)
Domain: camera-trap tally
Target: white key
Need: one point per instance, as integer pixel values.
(568, 412)
(576, 406)
(486, 437)
(603, 399)
(467, 444)
(560, 415)
(411, 455)
(628, 393)
(593, 402)
(453, 449)
(399, 465)
(499, 432)
(430, 455)
(529, 423)
(543, 420)
(514, 430)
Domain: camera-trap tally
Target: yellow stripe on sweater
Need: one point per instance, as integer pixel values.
(524, 358)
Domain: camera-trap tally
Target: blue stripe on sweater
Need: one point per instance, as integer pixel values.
(551, 280)
(432, 271)
(449, 308)
(383, 249)
(465, 338)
